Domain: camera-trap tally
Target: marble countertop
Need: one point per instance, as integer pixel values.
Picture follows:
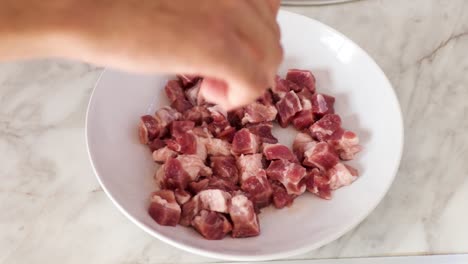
(53, 210)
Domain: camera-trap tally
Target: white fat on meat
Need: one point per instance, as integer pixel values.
(194, 166)
(340, 176)
(214, 200)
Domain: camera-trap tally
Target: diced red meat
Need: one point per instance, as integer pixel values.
(347, 145)
(278, 151)
(245, 142)
(280, 196)
(217, 113)
(288, 107)
(318, 183)
(198, 186)
(167, 115)
(189, 210)
(171, 175)
(303, 78)
(211, 225)
(214, 200)
(201, 151)
(217, 147)
(197, 114)
(258, 113)
(193, 94)
(188, 80)
(306, 95)
(301, 143)
(326, 127)
(266, 98)
(185, 143)
(263, 131)
(289, 174)
(341, 175)
(322, 156)
(156, 144)
(181, 105)
(227, 134)
(249, 165)
(221, 184)
(244, 219)
(174, 91)
(194, 166)
(149, 129)
(202, 132)
(303, 119)
(280, 89)
(163, 154)
(182, 196)
(235, 117)
(164, 208)
(258, 189)
(323, 104)
(225, 167)
(180, 128)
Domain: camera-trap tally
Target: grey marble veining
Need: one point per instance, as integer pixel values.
(53, 210)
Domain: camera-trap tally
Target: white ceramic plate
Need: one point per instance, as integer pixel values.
(365, 100)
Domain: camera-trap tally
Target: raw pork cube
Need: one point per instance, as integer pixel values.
(258, 113)
(156, 144)
(189, 210)
(322, 156)
(188, 80)
(263, 131)
(182, 196)
(280, 89)
(197, 114)
(194, 166)
(193, 94)
(278, 151)
(167, 115)
(303, 78)
(303, 119)
(174, 91)
(171, 175)
(243, 217)
(214, 200)
(211, 225)
(180, 128)
(225, 167)
(322, 104)
(185, 143)
(148, 129)
(318, 183)
(288, 107)
(301, 143)
(324, 129)
(258, 189)
(289, 174)
(227, 134)
(217, 147)
(341, 175)
(164, 208)
(163, 154)
(221, 184)
(235, 117)
(244, 142)
(280, 196)
(249, 165)
(266, 98)
(346, 144)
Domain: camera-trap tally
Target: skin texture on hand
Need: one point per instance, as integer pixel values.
(235, 44)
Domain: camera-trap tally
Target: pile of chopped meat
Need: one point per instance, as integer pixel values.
(219, 169)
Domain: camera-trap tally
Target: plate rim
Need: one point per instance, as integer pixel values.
(264, 257)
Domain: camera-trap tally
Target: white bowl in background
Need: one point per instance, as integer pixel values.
(365, 101)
